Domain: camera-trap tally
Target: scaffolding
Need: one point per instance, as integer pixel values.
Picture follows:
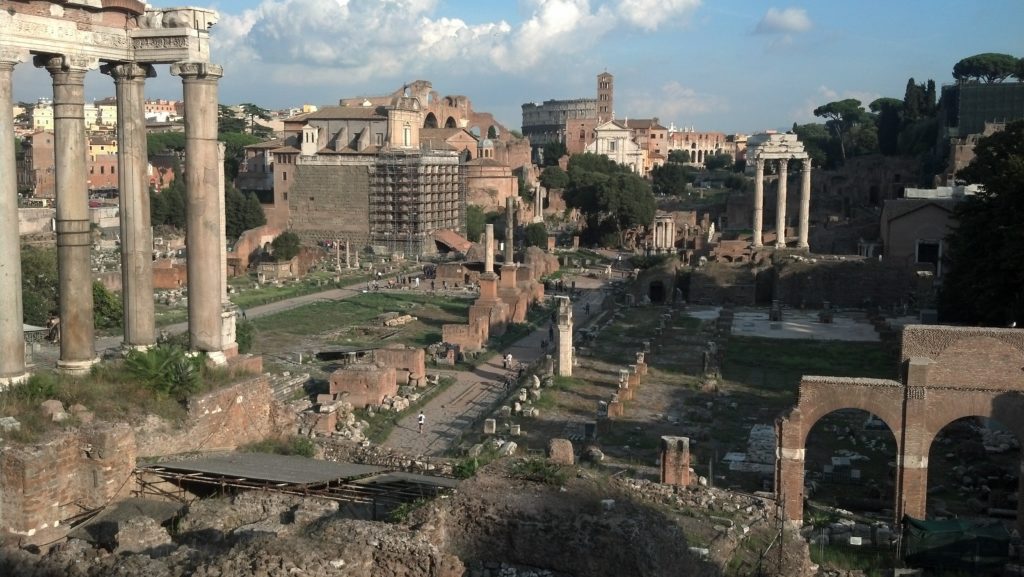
(414, 193)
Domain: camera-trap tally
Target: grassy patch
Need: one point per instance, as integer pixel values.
(874, 562)
(539, 471)
(293, 445)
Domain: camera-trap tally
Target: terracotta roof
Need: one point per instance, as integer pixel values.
(347, 112)
(444, 133)
(898, 208)
(286, 149)
(485, 162)
(452, 239)
(275, 143)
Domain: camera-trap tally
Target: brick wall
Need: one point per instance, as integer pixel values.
(365, 385)
(326, 200)
(407, 359)
(221, 420)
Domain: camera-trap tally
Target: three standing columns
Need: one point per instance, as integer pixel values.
(74, 241)
(136, 234)
(210, 328)
(12, 335)
(780, 207)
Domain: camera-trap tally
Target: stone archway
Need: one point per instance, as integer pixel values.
(450, 123)
(948, 373)
(656, 292)
(430, 121)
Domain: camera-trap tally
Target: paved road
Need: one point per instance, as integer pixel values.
(475, 392)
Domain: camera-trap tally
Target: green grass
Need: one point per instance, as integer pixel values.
(874, 562)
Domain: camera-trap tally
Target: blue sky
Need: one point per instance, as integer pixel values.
(725, 65)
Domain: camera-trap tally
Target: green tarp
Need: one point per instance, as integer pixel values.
(955, 543)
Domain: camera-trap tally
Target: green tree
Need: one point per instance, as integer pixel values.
(989, 66)
(818, 143)
(252, 113)
(842, 116)
(108, 311)
(985, 280)
(718, 161)
(554, 177)
(672, 178)
(536, 234)
(38, 284)
(552, 152)
(228, 120)
(679, 156)
(474, 222)
(611, 197)
(158, 143)
(889, 122)
(167, 207)
(286, 246)
(1019, 72)
(241, 212)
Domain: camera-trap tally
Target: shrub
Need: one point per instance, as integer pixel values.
(540, 471)
(245, 334)
(167, 369)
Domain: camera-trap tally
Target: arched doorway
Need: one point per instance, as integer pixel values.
(656, 291)
(492, 132)
(450, 123)
(974, 468)
(850, 464)
(430, 121)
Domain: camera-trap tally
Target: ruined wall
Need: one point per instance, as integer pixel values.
(169, 275)
(221, 420)
(46, 485)
(409, 363)
(328, 202)
(365, 385)
(35, 220)
(852, 282)
(721, 283)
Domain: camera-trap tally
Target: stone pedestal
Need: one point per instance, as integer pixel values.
(675, 461)
(565, 348)
(490, 426)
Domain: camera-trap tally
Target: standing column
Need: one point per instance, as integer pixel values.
(489, 248)
(77, 346)
(780, 206)
(12, 334)
(136, 233)
(758, 200)
(204, 219)
(510, 227)
(805, 204)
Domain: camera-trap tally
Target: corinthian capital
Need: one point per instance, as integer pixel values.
(55, 63)
(128, 70)
(197, 70)
(10, 55)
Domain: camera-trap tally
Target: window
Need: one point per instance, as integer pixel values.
(379, 139)
(407, 136)
(286, 196)
(284, 175)
(930, 252)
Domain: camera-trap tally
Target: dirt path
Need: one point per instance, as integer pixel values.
(475, 392)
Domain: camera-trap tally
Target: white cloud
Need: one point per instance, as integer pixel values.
(650, 14)
(353, 41)
(787, 21)
(673, 102)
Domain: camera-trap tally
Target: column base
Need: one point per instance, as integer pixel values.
(7, 382)
(76, 368)
(803, 246)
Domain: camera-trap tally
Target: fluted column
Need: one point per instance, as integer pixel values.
(805, 204)
(12, 334)
(758, 200)
(136, 232)
(74, 241)
(204, 220)
(780, 206)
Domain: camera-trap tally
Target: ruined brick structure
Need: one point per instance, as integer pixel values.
(675, 461)
(948, 373)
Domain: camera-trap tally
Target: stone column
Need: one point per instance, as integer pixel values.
(805, 204)
(565, 360)
(780, 206)
(12, 334)
(915, 444)
(758, 200)
(489, 248)
(74, 240)
(789, 467)
(675, 461)
(204, 221)
(670, 246)
(538, 204)
(136, 232)
(510, 227)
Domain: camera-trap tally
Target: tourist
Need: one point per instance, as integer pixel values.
(420, 420)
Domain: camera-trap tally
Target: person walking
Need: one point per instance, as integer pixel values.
(420, 420)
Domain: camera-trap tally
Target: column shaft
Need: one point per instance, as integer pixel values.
(204, 219)
(136, 232)
(489, 247)
(758, 200)
(74, 242)
(510, 227)
(805, 204)
(780, 206)
(12, 335)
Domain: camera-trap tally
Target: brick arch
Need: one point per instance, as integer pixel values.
(947, 406)
(450, 123)
(430, 121)
(821, 396)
